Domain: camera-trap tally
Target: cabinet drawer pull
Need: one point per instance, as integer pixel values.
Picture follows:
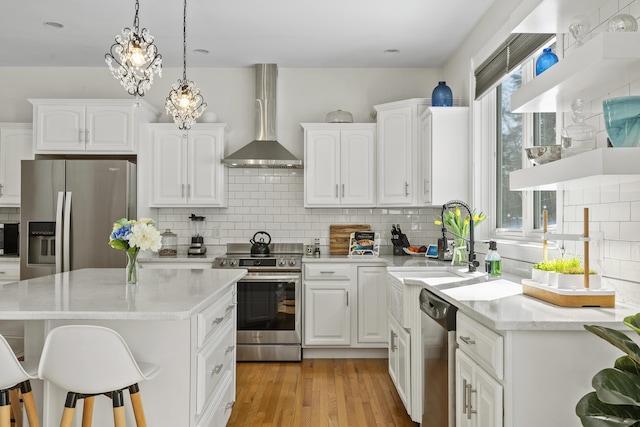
(394, 347)
(327, 272)
(229, 308)
(347, 292)
(343, 191)
(464, 396)
(229, 349)
(1, 190)
(467, 340)
(406, 188)
(86, 135)
(217, 320)
(216, 369)
(336, 191)
(468, 391)
(80, 136)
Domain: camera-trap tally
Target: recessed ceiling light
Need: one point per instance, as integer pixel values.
(201, 51)
(391, 51)
(52, 24)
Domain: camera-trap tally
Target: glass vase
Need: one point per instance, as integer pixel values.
(132, 268)
(546, 60)
(442, 96)
(460, 254)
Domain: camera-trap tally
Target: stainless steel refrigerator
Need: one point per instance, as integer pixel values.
(67, 211)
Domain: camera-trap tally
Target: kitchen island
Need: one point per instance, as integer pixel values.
(181, 320)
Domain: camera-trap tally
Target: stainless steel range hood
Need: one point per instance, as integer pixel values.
(265, 151)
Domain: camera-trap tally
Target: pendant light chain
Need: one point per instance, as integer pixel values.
(136, 22)
(184, 41)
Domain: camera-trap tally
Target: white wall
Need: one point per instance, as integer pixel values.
(304, 94)
(270, 200)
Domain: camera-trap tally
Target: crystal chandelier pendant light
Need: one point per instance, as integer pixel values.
(134, 59)
(184, 103)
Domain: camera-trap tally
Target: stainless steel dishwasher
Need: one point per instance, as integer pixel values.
(438, 353)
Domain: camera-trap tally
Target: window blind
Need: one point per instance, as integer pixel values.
(510, 54)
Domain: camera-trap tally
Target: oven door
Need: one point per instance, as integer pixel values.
(269, 309)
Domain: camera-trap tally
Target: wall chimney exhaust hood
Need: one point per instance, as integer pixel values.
(265, 151)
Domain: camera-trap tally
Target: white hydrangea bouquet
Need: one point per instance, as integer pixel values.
(133, 236)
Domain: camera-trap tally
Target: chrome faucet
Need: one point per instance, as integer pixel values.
(472, 263)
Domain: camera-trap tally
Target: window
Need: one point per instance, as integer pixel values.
(520, 213)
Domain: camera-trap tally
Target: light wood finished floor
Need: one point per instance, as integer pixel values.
(317, 392)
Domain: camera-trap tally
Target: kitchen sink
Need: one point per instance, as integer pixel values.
(433, 276)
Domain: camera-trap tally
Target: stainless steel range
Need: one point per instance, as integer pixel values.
(269, 301)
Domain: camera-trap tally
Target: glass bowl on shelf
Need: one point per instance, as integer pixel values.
(622, 120)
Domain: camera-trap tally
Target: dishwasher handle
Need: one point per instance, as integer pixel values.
(438, 309)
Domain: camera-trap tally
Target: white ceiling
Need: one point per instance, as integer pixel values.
(240, 33)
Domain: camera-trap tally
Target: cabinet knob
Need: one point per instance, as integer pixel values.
(216, 369)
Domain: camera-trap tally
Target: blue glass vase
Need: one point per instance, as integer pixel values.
(546, 60)
(442, 96)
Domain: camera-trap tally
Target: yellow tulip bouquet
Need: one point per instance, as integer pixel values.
(459, 227)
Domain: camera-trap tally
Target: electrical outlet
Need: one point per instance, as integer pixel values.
(216, 232)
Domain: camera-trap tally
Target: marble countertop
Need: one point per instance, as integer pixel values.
(501, 305)
(162, 294)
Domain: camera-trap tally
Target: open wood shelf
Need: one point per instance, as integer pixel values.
(595, 168)
(587, 72)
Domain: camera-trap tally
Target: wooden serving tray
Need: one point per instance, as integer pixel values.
(569, 297)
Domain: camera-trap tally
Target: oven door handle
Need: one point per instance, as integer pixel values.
(270, 277)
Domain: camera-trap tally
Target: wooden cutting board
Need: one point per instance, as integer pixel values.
(339, 237)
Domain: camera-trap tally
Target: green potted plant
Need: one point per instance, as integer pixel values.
(564, 274)
(616, 399)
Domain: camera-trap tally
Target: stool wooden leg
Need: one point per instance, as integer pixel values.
(29, 404)
(16, 407)
(69, 409)
(87, 411)
(118, 409)
(136, 402)
(5, 409)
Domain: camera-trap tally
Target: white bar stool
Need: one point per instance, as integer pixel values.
(14, 378)
(88, 361)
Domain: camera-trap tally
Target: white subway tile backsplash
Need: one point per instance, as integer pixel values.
(620, 211)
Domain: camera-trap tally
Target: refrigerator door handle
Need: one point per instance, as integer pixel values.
(66, 256)
(58, 236)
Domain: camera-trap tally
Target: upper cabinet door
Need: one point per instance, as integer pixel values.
(396, 141)
(15, 145)
(205, 171)
(169, 173)
(59, 128)
(109, 129)
(322, 167)
(357, 167)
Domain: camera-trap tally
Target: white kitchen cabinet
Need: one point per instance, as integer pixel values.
(345, 308)
(372, 304)
(186, 168)
(478, 395)
(445, 169)
(89, 126)
(339, 164)
(15, 145)
(327, 313)
(9, 269)
(421, 153)
(400, 361)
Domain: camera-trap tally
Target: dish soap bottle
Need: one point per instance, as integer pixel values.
(493, 262)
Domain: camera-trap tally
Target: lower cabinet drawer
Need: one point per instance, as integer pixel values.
(322, 271)
(211, 318)
(482, 344)
(9, 271)
(214, 363)
(218, 411)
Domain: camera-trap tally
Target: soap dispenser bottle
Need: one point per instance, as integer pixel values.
(493, 262)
